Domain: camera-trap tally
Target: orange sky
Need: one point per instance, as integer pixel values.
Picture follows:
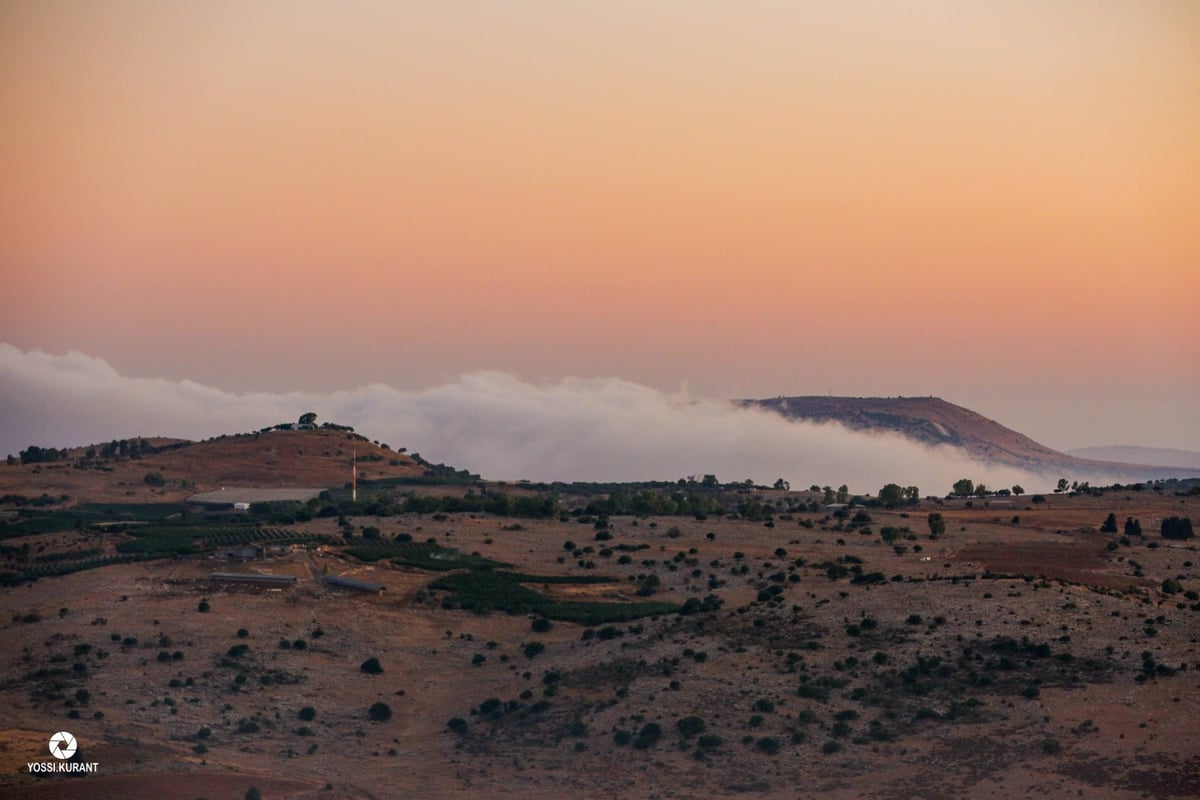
(997, 203)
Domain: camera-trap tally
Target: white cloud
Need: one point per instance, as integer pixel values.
(488, 422)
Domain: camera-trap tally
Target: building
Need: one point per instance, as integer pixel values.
(239, 553)
(352, 583)
(251, 577)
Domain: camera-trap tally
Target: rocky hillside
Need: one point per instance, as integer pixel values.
(933, 421)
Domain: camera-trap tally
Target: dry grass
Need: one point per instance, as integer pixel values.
(1143, 741)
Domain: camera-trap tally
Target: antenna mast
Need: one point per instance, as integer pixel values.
(354, 475)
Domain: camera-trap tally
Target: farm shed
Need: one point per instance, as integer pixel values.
(249, 577)
(353, 583)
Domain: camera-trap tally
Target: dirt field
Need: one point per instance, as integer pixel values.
(1008, 659)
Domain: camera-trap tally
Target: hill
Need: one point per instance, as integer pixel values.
(1165, 456)
(933, 421)
(274, 459)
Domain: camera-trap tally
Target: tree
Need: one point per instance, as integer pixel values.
(829, 496)
(843, 494)
(1018, 490)
(308, 418)
(709, 481)
(964, 487)
(253, 794)
(1177, 528)
(1061, 487)
(937, 525)
(1132, 527)
(371, 666)
(380, 712)
(912, 494)
(782, 484)
(1110, 524)
(982, 491)
(891, 495)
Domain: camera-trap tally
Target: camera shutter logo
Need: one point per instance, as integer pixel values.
(63, 745)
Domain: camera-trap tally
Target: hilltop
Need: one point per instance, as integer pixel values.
(265, 459)
(933, 421)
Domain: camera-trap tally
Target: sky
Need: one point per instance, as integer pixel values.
(993, 203)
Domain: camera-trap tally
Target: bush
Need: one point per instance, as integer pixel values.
(253, 793)
(307, 714)
(690, 726)
(541, 625)
(371, 666)
(648, 736)
(203, 607)
(380, 712)
(768, 745)
(457, 725)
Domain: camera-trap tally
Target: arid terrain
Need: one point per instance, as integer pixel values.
(796, 649)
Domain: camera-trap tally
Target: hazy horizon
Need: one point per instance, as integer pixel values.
(990, 203)
(494, 424)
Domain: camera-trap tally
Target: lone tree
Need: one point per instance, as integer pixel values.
(937, 525)
(964, 487)
(1110, 524)
(892, 495)
(1018, 490)
(1177, 528)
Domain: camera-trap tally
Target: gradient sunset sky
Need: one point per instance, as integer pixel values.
(997, 203)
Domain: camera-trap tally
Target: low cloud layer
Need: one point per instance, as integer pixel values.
(489, 422)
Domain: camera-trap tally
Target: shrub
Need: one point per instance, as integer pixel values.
(371, 666)
(648, 736)
(307, 714)
(380, 712)
(253, 794)
(457, 725)
(831, 747)
(203, 607)
(541, 625)
(768, 745)
(533, 648)
(690, 726)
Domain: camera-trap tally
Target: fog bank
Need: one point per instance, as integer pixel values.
(492, 423)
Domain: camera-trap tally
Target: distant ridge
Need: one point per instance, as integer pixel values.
(933, 421)
(1165, 456)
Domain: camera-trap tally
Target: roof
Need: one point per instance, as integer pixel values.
(352, 583)
(252, 577)
(229, 495)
